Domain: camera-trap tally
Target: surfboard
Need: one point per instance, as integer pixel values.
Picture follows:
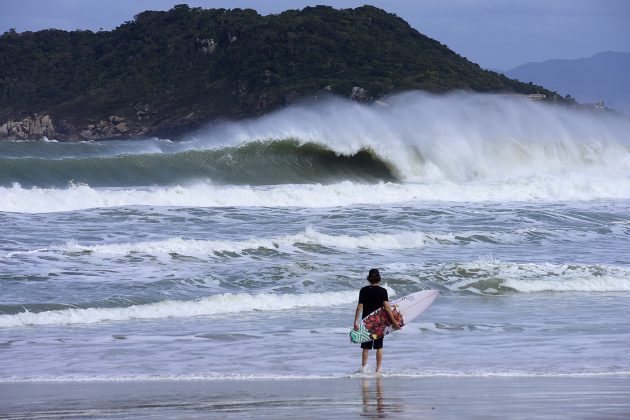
(405, 310)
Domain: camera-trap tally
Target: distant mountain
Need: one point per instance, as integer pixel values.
(164, 73)
(604, 76)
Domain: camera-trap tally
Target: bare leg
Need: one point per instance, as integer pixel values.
(364, 357)
(379, 359)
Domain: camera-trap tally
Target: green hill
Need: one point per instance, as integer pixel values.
(167, 72)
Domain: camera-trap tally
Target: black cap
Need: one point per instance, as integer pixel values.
(374, 274)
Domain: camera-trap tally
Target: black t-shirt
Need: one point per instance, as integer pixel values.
(372, 298)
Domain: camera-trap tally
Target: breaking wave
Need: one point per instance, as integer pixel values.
(78, 197)
(226, 303)
(457, 137)
(310, 236)
(255, 163)
(418, 147)
(489, 276)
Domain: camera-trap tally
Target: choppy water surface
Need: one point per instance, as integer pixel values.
(240, 252)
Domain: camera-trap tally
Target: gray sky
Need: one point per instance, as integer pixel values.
(498, 34)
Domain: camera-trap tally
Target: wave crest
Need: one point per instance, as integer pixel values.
(253, 163)
(213, 305)
(489, 276)
(79, 197)
(310, 236)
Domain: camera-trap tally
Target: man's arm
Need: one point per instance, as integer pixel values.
(357, 316)
(390, 315)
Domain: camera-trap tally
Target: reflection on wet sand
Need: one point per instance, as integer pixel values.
(374, 404)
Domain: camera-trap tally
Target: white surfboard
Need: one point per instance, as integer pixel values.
(405, 310)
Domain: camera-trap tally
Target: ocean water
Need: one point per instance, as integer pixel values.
(238, 252)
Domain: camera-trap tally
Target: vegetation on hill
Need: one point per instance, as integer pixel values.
(167, 71)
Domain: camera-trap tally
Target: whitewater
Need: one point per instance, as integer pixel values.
(238, 251)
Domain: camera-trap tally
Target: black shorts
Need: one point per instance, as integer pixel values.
(376, 344)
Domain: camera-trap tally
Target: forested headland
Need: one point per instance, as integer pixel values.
(164, 73)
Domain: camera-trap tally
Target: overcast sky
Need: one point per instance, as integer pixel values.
(498, 34)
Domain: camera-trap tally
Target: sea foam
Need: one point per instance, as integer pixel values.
(218, 377)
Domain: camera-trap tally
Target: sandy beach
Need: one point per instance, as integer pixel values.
(387, 397)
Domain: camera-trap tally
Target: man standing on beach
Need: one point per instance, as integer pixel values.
(371, 298)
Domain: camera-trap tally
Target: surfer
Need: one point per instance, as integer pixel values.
(371, 298)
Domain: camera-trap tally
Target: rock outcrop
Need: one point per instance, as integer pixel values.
(34, 127)
(41, 126)
(207, 46)
(359, 94)
(112, 127)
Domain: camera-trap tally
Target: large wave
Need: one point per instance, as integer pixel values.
(458, 137)
(458, 147)
(255, 163)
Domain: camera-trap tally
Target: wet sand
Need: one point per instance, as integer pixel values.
(387, 397)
